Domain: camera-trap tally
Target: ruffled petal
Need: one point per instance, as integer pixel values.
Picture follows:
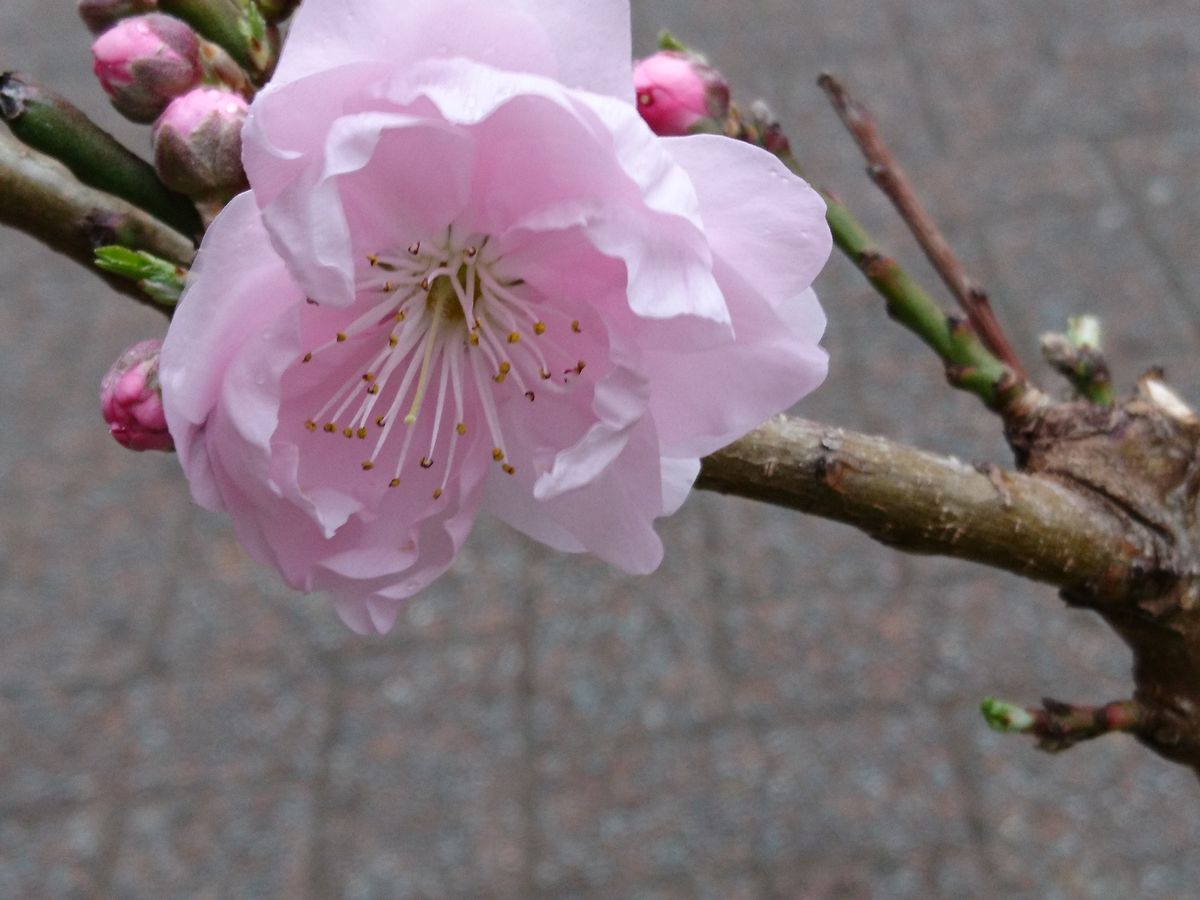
(766, 223)
(774, 362)
(237, 288)
(585, 46)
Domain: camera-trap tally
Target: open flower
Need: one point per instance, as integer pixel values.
(467, 275)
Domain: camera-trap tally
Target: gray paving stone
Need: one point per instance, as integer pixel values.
(55, 856)
(613, 818)
(58, 747)
(426, 777)
(235, 840)
(226, 724)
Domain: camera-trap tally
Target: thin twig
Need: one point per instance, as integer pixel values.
(1059, 726)
(887, 174)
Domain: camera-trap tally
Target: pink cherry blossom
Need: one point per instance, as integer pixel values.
(468, 276)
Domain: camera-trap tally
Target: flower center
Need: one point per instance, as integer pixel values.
(444, 329)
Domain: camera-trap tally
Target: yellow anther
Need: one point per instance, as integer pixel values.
(473, 339)
(307, 357)
(514, 337)
(539, 328)
(369, 377)
(380, 421)
(393, 341)
(575, 327)
(461, 427)
(388, 287)
(400, 315)
(310, 425)
(372, 259)
(545, 376)
(368, 465)
(497, 454)
(437, 493)
(395, 482)
(362, 433)
(373, 389)
(508, 470)
(348, 432)
(330, 427)
(341, 337)
(426, 462)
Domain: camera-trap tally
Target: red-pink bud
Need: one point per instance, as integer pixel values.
(198, 144)
(100, 14)
(678, 91)
(131, 400)
(145, 62)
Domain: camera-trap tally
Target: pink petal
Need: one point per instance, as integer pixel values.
(765, 222)
(585, 46)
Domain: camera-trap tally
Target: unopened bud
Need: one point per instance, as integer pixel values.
(198, 144)
(679, 93)
(99, 15)
(131, 399)
(145, 62)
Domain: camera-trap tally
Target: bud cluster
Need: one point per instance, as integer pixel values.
(156, 69)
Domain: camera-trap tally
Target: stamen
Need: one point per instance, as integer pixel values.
(430, 342)
(539, 328)
(576, 328)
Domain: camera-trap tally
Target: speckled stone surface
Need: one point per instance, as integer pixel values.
(785, 710)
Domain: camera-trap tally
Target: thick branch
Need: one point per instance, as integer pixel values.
(48, 123)
(40, 197)
(887, 174)
(923, 503)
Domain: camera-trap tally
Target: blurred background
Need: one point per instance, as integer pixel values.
(785, 710)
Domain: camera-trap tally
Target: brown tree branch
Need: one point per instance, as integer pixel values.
(887, 174)
(920, 502)
(40, 197)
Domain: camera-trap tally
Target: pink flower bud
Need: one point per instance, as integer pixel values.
(101, 14)
(198, 144)
(678, 91)
(146, 61)
(131, 399)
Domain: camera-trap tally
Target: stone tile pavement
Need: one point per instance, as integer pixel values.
(785, 710)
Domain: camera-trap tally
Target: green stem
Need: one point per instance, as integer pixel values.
(236, 25)
(48, 123)
(969, 365)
